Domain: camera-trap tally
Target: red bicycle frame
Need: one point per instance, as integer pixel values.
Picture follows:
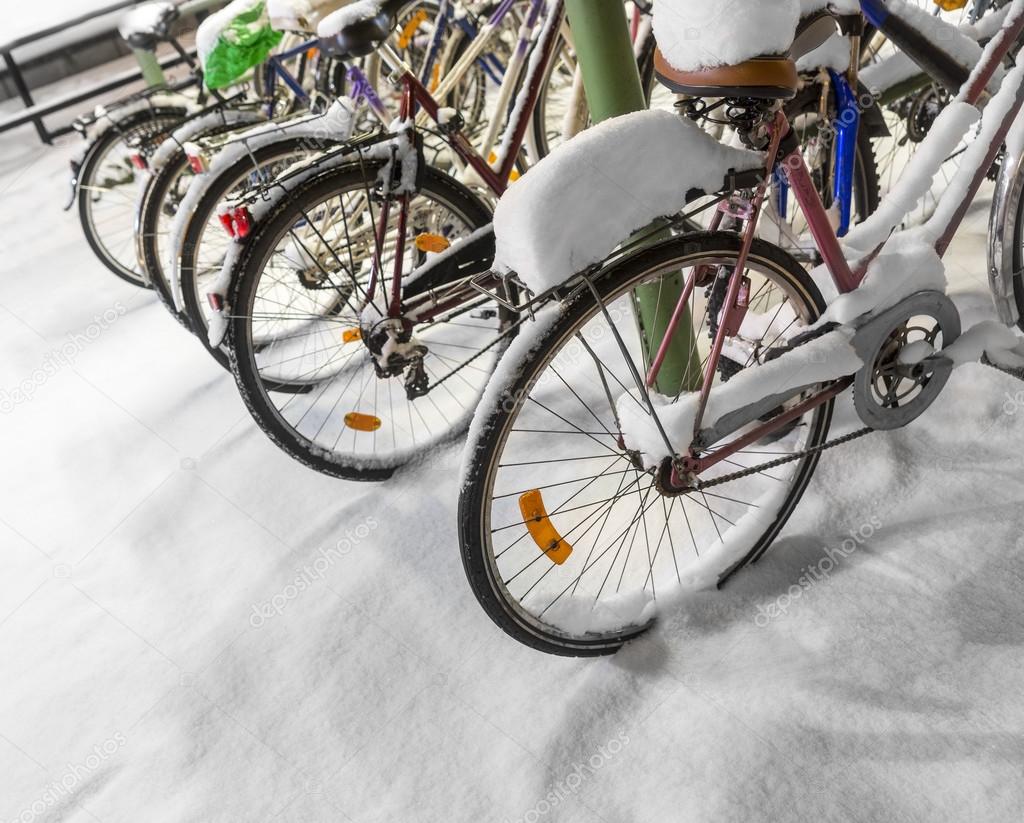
(845, 277)
(416, 96)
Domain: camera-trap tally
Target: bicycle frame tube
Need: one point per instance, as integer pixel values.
(362, 89)
(416, 96)
(809, 200)
(847, 125)
(846, 279)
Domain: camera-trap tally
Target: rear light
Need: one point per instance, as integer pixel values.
(237, 222)
(197, 158)
(216, 301)
(139, 161)
(243, 222)
(228, 223)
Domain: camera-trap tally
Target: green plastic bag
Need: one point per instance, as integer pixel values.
(244, 43)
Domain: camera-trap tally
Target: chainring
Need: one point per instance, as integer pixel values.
(889, 392)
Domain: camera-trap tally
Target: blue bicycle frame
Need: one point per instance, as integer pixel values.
(275, 70)
(845, 128)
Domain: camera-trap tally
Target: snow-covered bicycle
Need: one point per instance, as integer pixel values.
(611, 467)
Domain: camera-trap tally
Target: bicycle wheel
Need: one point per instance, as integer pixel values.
(162, 197)
(203, 241)
(108, 186)
(567, 541)
(297, 321)
(911, 110)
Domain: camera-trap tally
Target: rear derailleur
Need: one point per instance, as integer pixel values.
(397, 352)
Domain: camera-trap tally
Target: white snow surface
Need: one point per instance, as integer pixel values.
(696, 34)
(585, 198)
(143, 517)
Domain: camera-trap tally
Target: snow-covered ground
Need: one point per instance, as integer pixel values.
(194, 628)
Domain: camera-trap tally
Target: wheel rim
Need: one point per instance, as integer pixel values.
(626, 538)
(304, 333)
(110, 196)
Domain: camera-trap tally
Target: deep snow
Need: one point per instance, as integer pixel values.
(144, 522)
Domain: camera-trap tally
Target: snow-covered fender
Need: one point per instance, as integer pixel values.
(123, 117)
(1002, 235)
(321, 132)
(261, 208)
(203, 124)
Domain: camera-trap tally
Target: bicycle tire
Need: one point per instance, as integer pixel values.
(157, 123)
(200, 218)
(243, 349)
(493, 426)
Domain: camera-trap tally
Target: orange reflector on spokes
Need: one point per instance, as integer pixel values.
(434, 243)
(411, 28)
(541, 529)
(362, 422)
(352, 335)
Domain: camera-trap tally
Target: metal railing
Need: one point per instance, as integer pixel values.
(35, 112)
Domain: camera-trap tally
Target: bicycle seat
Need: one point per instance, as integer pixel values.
(769, 76)
(301, 18)
(359, 29)
(147, 26)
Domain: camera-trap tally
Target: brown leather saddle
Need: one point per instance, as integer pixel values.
(772, 77)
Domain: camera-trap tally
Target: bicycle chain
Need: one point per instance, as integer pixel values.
(839, 441)
(831, 444)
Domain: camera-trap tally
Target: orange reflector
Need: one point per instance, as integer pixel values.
(362, 422)
(435, 78)
(411, 28)
(541, 528)
(433, 243)
(352, 335)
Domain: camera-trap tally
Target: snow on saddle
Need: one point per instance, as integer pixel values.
(146, 26)
(737, 48)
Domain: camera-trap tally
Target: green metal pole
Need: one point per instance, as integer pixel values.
(152, 72)
(611, 77)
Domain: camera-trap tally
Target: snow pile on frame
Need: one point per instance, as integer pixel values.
(578, 204)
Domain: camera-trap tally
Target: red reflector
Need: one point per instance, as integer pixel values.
(216, 301)
(243, 222)
(197, 164)
(139, 162)
(228, 222)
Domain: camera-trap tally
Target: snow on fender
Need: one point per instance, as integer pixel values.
(590, 194)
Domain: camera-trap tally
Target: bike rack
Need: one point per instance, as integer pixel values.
(35, 113)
